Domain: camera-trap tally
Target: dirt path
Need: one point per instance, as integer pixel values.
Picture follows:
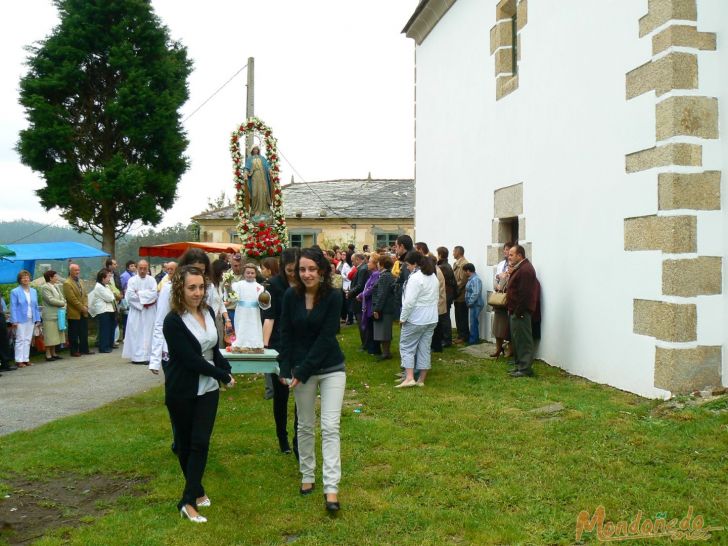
(45, 391)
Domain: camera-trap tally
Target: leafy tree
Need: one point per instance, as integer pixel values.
(215, 203)
(128, 247)
(102, 96)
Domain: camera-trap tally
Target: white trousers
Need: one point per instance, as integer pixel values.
(331, 386)
(23, 336)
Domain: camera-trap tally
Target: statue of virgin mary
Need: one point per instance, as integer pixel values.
(257, 175)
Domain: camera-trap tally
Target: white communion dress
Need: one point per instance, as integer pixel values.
(248, 327)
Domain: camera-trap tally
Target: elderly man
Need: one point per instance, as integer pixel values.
(169, 269)
(76, 312)
(141, 293)
(523, 306)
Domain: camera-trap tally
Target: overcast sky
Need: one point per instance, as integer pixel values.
(333, 79)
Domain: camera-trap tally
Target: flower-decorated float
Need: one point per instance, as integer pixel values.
(262, 230)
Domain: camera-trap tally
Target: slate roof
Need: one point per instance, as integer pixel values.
(351, 198)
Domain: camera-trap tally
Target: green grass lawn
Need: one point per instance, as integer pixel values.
(462, 461)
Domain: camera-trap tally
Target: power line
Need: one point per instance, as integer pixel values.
(215, 93)
(324, 203)
(33, 233)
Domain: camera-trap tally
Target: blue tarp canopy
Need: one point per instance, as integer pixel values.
(27, 254)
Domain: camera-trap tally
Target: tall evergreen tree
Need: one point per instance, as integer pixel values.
(102, 96)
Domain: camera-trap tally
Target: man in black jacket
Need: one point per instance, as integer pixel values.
(357, 286)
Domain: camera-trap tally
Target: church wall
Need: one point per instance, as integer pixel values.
(564, 134)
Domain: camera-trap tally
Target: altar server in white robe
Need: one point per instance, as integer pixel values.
(141, 293)
(248, 326)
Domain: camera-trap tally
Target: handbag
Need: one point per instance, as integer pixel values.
(61, 319)
(498, 300)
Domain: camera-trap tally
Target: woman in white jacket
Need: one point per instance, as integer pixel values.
(101, 305)
(418, 317)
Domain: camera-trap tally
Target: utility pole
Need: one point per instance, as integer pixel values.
(250, 102)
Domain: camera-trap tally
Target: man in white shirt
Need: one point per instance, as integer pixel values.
(141, 293)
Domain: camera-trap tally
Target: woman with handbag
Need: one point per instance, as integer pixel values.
(101, 305)
(24, 316)
(53, 303)
(191, 375)
(497, 301)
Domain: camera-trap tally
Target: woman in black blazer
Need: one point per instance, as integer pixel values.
(311, 361)
(191, 376)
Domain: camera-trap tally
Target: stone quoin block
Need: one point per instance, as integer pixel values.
(494, 254)
(508, 201)
(500, 36)
(675, 70)
(687, 116)
(504, 61)
(660, 156)
(682, 36)
(665, 321)
(660, 12)
(521, 15)
(671, 234)
(698, 191)
(505, 85)
(682, 371)
(505, 9)
(700, 276)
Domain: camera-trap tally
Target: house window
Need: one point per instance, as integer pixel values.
(303, 240)
(385, 240)
(510, 229)
(234, 237)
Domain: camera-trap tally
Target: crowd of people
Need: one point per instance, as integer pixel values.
(178, 322)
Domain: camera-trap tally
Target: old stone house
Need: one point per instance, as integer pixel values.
(365, 211)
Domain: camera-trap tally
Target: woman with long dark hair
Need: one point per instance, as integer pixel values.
(418, 317)
(277, 286)
(311, 357)
(191, 375)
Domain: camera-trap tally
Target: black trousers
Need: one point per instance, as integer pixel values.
(193, 420)
(105, 331)
(436, 343)
(281, 393)
(461, 320)
(5, 355)
(446, 327)
(78, 335)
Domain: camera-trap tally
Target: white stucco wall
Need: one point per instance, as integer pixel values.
(563, 134)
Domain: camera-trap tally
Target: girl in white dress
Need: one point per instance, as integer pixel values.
(248, 326)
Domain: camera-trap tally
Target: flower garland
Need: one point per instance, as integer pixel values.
(259, 240)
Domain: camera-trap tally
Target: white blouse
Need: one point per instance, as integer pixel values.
(419, 301)
(207, 337)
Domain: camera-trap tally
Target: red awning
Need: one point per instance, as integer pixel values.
(175, 250)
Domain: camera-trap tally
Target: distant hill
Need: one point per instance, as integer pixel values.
(127, 248)
(28, 231)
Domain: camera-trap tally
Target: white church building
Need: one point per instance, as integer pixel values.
(595, 133)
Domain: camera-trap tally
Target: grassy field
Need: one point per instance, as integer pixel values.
(464, 460)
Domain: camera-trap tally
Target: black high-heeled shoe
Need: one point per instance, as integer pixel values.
(331, 506)
(307, 491)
